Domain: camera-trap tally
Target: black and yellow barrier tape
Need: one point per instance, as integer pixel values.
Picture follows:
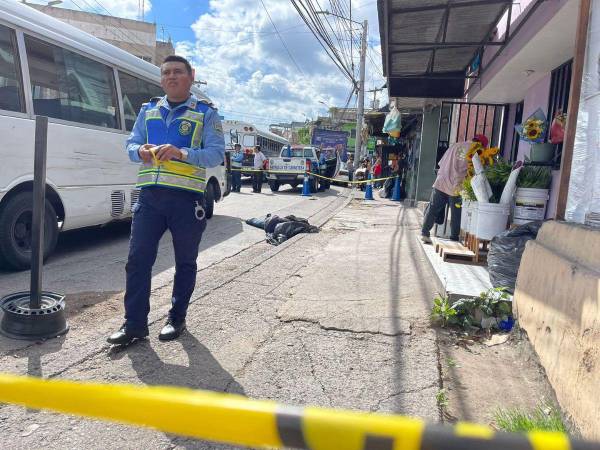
(310, 174)
(234, 419)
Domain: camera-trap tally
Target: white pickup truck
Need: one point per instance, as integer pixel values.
(289, 169)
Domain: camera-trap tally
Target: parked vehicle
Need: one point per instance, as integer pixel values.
(248, 136)
(92, 93)
(290, 166)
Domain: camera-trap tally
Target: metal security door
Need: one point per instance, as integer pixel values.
(460, 121)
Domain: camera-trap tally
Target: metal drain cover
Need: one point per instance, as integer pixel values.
(19, 321)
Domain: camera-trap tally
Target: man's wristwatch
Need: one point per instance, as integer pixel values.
(184, 154)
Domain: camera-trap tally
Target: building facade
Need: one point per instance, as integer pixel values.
(133, 36)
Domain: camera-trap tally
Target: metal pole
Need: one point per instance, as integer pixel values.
(361, 93)
(39, 209)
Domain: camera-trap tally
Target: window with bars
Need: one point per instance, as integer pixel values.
(560, 87)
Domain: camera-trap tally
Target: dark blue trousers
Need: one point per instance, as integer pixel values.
(236, 180)
(158, 210)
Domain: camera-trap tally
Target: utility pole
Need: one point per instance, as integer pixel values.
(361, 93)
(374, 91)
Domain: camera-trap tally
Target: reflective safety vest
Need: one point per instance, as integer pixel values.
(236, 164)
(183, 131)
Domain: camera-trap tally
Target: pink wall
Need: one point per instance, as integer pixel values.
(537, 97)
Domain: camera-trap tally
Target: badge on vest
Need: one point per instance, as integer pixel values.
(185, 128)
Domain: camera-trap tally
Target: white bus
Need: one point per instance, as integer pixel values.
(248, 136)
(92, 92)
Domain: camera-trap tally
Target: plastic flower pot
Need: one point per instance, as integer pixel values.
(542, 152)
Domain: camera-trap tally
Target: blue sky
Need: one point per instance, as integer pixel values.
(249, 72)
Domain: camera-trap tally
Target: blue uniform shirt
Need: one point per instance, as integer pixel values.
(211, 154)
(237, 157)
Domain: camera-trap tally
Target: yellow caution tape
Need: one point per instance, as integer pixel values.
(313, 175)
(234, 419)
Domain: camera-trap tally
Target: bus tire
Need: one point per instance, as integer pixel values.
(274, 185)
(209, 200)
(15, 231)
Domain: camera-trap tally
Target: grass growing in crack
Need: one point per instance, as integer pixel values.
(451, 362)
(442, 398)
(544, 418)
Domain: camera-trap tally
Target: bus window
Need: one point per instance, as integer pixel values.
(10, 80)
(69, 86)
(135, 92)
(248, 140)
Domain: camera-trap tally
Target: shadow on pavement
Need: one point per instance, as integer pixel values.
(202, 371)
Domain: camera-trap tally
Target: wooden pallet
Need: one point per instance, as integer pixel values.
(455, 252)
(478, 246)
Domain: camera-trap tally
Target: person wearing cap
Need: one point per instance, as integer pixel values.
(452, 171)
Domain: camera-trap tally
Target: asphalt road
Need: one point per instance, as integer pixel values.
(93, 259)
(337, 319)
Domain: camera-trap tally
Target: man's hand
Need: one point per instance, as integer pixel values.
(145, 152)
(167, 152)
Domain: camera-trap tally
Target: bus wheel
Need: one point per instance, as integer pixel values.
(209, 200)
(16, 220)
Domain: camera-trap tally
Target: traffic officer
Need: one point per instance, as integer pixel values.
(175, 137)
(236, 168)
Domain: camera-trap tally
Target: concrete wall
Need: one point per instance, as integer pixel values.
(427, 165)
(557, 301)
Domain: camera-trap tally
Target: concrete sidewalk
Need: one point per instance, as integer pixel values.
(338, 319)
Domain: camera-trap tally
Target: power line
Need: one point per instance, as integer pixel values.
(281, 39)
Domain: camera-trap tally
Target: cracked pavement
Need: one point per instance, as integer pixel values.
(337, 319)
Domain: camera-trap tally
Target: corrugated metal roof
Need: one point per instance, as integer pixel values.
(434, 40)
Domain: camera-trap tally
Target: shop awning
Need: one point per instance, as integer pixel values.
(427, 45)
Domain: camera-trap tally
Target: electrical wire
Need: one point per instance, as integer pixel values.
(281, 39)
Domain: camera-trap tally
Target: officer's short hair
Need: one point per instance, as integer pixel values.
(237, 146)
(181, 59)
(257, 148)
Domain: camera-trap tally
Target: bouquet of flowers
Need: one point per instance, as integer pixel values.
(486, 155)
(534, 129)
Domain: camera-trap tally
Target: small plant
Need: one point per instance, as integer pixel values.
(442, 311)
(467, 192)
(451, 362)
(544, 418)
(535, 177)
(441, 398)
(497, 175)
(469, 312)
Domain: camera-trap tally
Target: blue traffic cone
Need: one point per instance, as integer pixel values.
(305, 187)
(396, 193)
(369, 190)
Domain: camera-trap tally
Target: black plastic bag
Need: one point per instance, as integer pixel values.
(272, 221)
(506, 250)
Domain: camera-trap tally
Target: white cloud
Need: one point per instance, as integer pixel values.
(250, 74)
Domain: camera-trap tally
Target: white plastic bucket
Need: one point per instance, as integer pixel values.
(492, 219)
(530, 205)
(474, 211)
(465, 216)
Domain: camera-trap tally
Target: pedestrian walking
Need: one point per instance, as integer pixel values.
(257, 175)
(175, 137)
(237, 158)
(452, 172)
(377, 170)
(350, 168)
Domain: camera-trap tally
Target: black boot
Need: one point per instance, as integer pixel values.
(125, 336)
(171, 330)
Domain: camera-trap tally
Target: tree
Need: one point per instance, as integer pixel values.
(304, 136)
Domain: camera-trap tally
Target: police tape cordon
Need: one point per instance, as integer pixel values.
(311, 174)
(234, 419)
